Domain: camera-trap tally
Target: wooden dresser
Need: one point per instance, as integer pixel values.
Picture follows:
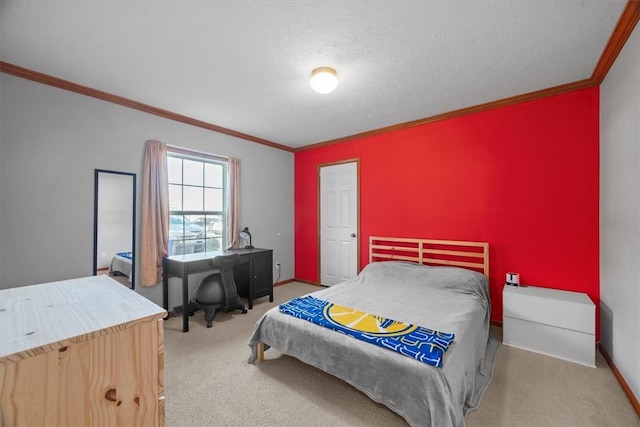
(80, 352)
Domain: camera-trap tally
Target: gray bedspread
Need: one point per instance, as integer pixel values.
(120, 264)
(447, 299)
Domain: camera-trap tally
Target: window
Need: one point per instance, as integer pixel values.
(197, 204)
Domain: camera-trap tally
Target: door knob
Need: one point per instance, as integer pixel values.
(353, 234)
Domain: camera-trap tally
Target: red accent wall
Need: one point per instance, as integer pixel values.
(524, 178)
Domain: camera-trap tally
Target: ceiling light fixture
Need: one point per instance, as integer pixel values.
(324, 80)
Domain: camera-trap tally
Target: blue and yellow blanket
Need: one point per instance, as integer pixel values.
(425, 345)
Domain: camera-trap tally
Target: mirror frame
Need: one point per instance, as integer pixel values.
(133, 221)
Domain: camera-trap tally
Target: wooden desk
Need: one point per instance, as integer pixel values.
(81, 352)
(253, 275)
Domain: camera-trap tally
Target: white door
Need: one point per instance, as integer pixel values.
(338, 223)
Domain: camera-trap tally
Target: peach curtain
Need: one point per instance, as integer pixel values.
(154, 221)
(233, 203)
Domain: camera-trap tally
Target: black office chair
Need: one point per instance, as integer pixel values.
(218, 291)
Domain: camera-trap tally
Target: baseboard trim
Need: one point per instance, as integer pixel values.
(308, 282)
(283, 282)
(625, 387)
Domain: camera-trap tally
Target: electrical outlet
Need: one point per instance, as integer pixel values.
(278, 265)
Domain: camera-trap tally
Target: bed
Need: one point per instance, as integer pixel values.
(121, 265)
(437, 284)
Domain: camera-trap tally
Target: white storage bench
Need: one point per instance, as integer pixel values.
(550, 321)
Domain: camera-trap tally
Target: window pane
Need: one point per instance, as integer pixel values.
(176, 235)
(213, 175)
(214, 244)
(216, 225)
(174, 170)
(213, 199)
(193, 220)
(175, 197)
(195, 230)
(193, 173)
(198, 245)
(193, 197)
(212, 224)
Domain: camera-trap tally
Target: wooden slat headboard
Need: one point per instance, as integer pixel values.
(472, 255)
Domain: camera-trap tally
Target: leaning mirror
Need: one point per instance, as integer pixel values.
(114, 221)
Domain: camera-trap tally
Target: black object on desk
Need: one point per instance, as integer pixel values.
(253, 274)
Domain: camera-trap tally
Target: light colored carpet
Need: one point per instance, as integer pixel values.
(208, 382)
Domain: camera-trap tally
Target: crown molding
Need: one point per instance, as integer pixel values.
(619, 37)
(35, 76)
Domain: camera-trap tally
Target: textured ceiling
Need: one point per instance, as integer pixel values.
(245, 65)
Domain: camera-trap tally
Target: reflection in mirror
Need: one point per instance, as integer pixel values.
(114, 219)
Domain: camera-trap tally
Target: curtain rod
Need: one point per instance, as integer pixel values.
(196, 153)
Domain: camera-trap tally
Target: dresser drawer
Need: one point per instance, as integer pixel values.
(561, 343)
(562, 309)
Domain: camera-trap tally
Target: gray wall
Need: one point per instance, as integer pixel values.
(51, 141)
(620, 212)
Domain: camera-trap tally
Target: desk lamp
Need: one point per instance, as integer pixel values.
(244, 234)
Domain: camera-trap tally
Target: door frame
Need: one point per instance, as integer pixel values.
(355, 160)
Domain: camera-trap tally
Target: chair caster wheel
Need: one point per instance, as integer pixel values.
(244, 311)
(209, 324)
